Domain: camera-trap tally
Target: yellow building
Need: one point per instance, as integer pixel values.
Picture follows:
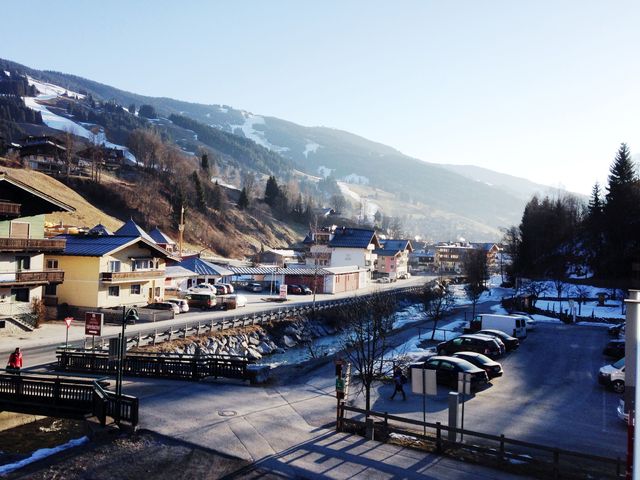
(103, 270)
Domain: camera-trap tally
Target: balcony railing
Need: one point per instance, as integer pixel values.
(26, 277)
(9, 209)
(111, 277)
(32, 244)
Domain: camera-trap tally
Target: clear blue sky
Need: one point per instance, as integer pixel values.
(545, 90)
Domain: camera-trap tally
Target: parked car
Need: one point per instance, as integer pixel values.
(613, 376)
(294, 289)
(531, 323)
(615, 349)
(204, 300)
(474, 343)
(617, 329)
(182, 304)
(384, 280)
(499, 341)
(228, 287)
(172, 307)
(493, 368)
(254, 287)
(305, 290)
(511, 343)
(240, 300)
(447, 369)
(220, 289)
(202, 287)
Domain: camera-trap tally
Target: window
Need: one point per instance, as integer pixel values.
(52, 264)
(135, 289)
(19, 230)
(51, 289)
(457, 341)
(446, 366)
(142, 264)
(114, 291)
(21, 294)
(23, 263)
(158, 292)
(114, 265)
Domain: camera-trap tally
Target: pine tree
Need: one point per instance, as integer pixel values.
(272, 191)
(243, 201)
(201, 201)
(217, 197)
(204, 163)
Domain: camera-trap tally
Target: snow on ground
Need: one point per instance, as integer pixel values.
(410, 314)
(369, 208)
(256, 135)
(324, 171)
(59, 122)
(411, 348)
(357, 179)
(40, 454)
(310, 147)
(7, 73)
(222, 109)
(50, 89)
(612, 308)
(222, 183)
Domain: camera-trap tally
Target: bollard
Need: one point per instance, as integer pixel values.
(454, 415)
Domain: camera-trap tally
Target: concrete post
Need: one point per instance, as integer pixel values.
(454, 415)
(631, 349)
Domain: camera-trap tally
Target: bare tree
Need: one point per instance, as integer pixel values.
(369, 323)
(581, 292)
(535, 289)
(68, 140)
(338, 203)
(477, 272)
(437, 301)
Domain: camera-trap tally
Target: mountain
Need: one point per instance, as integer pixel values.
(466, 201)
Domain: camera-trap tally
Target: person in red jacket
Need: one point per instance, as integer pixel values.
(15, 361)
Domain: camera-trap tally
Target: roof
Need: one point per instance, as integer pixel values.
(37, 202)
(393, 247)
(160, 237)
(278, 271)
(132, 229)
(202, 267)
(176, 271)
(347, 269)
(100, 230)
(484, 246)
(97, 246)
(354, 238)
(282, 252)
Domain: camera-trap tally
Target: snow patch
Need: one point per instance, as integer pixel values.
(222, 109)
(51, 89)
(310, 147)
(40, 454)
(7, 73)
(368, 209)
(356, 179)
(222, 183)
(325, 171)
(256, 135)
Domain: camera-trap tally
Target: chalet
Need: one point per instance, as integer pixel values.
(103, 271)
(492, 251)
(43, 153)
(422, 259)
(163, 240)
(24, 274)
(280, 257)
(450, 257)
(393, 258)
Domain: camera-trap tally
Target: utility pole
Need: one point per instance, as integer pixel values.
(181, 229)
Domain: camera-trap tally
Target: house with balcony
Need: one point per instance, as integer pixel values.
(24, 273)
(393, 259)
(103, 271)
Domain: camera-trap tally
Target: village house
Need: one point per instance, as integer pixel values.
(393, 259)
(422, 259)
(43, 153)
(25, 277)
(103, 271)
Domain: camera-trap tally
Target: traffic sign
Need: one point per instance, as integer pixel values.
(68, 321)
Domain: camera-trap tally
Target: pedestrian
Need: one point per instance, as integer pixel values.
(399, 380)
(15, 361)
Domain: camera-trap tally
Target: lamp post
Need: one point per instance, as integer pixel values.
(127, 315)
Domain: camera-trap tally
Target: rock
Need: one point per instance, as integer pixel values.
(290, 330)
(254, 340)
(264, 348)
(289, 342)
(254, 354)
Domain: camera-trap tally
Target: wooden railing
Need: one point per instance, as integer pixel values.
(124, 276)
(9, 209)
(32, 244)
(551, 462)
(51, 276)
(186, 367)
(52, 395)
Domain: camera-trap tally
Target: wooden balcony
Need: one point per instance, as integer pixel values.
(31, 277)
(9, 209)
(32, 244)
(115, 277)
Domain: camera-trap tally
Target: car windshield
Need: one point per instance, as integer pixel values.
(619, 364)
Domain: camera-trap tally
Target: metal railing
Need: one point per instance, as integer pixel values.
(554, 459)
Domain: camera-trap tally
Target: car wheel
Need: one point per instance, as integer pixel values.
(618, 386)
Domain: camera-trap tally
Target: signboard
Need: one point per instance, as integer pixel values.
(426, 377)
(283, 291)
(68, 321)
(114, 348)
(93, 323)
(464, 383)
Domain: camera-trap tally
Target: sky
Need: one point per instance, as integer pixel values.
(544, 90)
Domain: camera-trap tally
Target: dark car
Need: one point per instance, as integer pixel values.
(615, 349)
(448, 368)
(294, 289)
(254, 287)
(470, 343)
(614, 330)
(511, 343)
(493, 368)
(305, 290)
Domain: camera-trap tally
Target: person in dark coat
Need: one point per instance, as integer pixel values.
(398, 380)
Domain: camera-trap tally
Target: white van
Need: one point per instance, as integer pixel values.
(613, 376)
(514, 326)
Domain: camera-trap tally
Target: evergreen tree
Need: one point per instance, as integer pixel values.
(272, 191)
(147, 111)
(243, 201)
(201, 201)
(217, 197)
(132, 109)
(204, 162)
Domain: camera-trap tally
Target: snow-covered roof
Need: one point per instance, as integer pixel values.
(176, 271)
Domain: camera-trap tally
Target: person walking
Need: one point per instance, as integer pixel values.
(15, 361)
(399, 380)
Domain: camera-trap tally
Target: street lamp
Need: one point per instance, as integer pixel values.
(130, 315)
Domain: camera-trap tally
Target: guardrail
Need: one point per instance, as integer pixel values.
(184, 367)
(497, 447)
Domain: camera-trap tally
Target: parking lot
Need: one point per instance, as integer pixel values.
(549, 394)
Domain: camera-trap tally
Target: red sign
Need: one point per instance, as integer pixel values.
(68, 321)
(93, 323)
